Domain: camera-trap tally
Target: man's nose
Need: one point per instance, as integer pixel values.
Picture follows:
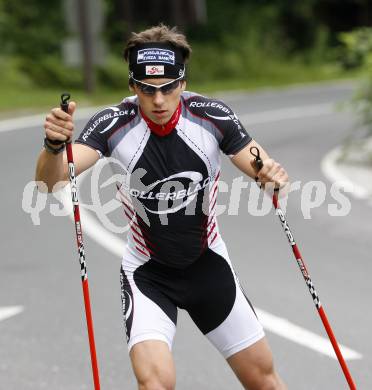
(158, 98)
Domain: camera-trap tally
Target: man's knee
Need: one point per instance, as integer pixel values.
(153, 366)
(157, 378)
(268, 381)
(255, 369)
(262, 380)
(156, 382)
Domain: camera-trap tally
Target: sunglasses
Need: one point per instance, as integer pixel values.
(165, 89)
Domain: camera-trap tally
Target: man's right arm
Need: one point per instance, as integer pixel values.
(53, 168)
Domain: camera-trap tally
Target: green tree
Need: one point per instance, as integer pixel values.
(31, 29)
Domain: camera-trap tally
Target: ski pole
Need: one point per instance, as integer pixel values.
(259, 164)
(79, 238)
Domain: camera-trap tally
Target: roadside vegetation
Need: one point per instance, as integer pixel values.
(358, 55)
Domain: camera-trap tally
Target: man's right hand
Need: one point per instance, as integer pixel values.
(59, 125)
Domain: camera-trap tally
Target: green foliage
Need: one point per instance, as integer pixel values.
(31, 29)
(242, 49)
(31, 34)
(51, 72)
(274, 27)
(233, 26)
(357, 48)
(11, 74)
(358, 53)
(242, 42)
(258, 39)
(114, 74)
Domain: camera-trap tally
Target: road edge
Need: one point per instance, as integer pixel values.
(336, 173)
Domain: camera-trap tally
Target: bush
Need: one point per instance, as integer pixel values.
(114, 74)
(358, 53)
(51, 72)
(11, 74)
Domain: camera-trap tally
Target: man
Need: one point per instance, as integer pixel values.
(168, 142)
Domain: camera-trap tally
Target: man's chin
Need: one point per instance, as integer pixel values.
(161, 121)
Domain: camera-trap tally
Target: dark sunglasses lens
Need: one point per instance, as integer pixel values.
(147, 89)
(169, 87)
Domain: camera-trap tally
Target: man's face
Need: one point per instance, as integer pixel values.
(159, 107)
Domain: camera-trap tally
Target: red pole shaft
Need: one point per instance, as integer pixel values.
(84, 275)
(92, 345)
(313, 293)
(336, 348)
(80, 245)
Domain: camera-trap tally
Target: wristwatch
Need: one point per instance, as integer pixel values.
(50, 149)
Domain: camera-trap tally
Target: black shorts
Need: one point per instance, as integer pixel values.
(208, 290)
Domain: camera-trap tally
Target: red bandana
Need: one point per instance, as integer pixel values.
(163, 130)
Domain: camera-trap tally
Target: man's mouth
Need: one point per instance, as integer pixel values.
(160, 113)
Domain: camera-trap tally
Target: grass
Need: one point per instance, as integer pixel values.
(277, 77)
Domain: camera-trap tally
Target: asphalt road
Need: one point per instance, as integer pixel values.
(45, 346)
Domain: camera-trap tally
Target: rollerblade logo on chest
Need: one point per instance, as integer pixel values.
(172, 193)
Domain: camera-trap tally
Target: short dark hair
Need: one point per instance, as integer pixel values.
(159, 33)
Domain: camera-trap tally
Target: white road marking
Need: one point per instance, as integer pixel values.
(274, 324)
(304, 337)
(9, 311)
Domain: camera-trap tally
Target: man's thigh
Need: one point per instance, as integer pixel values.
(148, 314)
